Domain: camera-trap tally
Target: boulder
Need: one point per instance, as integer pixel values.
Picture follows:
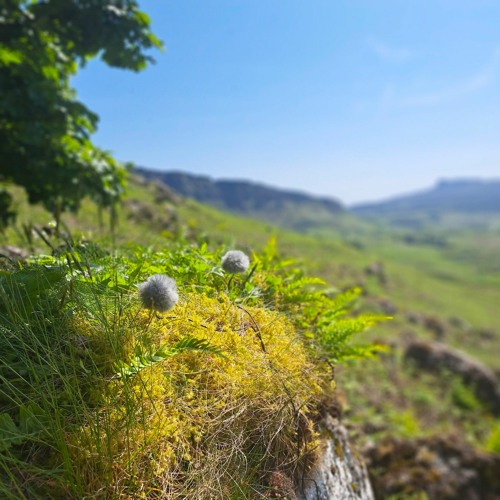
(387, 306)
(484, 334)
(443, 468)
(162, 217)
(436, 326)
(415, 318)
(435, 356)
(165, 194)
(458, 323)
(139, 211)
(377, 270)
(13, 253)
(339, 472)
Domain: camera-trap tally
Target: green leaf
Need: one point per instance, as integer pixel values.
(9, 56)
(32, 419)
(9, 433)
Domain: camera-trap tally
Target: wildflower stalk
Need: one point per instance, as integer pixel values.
(250, 274)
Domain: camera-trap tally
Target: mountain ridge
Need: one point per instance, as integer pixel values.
(468, 195)
(461, 202)
(287, 208)
(175, 179)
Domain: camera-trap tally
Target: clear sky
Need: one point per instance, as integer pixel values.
(354, 99)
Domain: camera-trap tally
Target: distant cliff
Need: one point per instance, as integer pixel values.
(451, 204)
(286, 208)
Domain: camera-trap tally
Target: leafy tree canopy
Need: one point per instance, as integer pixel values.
(45, 131)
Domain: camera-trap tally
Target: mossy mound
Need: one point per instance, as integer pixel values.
(196, 424)
(102, 397)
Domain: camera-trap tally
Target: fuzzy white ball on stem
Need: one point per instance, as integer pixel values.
(159, 293)
(235, 261)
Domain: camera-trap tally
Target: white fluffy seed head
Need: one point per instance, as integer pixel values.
(235, 261)
(159, 292)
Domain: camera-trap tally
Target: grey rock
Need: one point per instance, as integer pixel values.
(435, 356)
(339, 473)
(434, 467)
(13, 253)
(164, 194)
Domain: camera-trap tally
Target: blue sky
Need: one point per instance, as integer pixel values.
(354, 99)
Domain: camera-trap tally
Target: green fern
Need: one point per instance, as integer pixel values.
(143, 360)
(334, 332)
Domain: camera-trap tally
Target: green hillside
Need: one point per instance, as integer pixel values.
(459, 276)
(446, 289)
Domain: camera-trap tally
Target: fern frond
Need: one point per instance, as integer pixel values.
(144, 360)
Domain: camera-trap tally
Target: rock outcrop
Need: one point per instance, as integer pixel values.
(339, 473)
(435, 468)
(437, 356)
(12, 255)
